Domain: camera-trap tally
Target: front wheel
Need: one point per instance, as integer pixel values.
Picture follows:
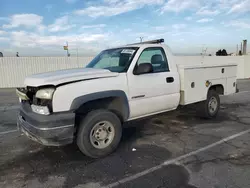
(210, 107)
(99, 133)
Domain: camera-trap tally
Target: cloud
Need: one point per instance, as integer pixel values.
(60, 24)
(204, 20)
(93, 26)
(238, 23)
(205, 30)
(27, 20)
(3, 32)
(4, 39)
(23, 39)
(179, 26)
(114, 7)
(159, 28)
(191, 11)
(111, 1)
(28, 39)
(180, 33)
(188, 18)
(206, 8)
(180, 5)
(240, 7)
(204, 11)
(41, 28)
(127, 30)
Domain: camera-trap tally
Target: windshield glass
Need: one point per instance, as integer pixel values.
(115, 60)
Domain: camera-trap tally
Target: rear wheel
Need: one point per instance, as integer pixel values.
(210, 107)
(99, 133)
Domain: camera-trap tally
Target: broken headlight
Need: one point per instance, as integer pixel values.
(46, 93)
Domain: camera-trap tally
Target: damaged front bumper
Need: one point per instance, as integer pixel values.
(52, 130)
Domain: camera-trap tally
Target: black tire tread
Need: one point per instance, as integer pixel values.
(86, 122)
(202, 108)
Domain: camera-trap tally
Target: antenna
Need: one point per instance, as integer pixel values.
(141, 38)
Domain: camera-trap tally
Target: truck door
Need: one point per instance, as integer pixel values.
(154, 92)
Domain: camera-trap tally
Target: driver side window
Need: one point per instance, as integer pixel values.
(155, 56)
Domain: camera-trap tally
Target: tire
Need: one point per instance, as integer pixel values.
(103, 121)
(204, 108)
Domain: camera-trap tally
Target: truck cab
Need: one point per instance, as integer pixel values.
(120, 84)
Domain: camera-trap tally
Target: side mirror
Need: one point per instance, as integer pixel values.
(143, 68)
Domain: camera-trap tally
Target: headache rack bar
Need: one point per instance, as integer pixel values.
(157, 41)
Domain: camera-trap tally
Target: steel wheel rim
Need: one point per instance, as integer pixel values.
(102, 134)
(212, 105)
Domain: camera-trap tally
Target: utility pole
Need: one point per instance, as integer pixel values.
(67, 48)
(141, 39)
(203, 52)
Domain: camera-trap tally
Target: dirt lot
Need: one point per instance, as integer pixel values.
(172, 150)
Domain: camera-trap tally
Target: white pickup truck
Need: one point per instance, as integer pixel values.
(89, 105)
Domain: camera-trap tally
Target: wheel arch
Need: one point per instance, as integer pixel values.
(219, 88)
(114, 100)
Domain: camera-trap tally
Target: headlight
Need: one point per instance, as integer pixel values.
(44, 110)
(45, 93)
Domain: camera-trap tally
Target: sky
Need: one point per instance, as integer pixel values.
(42, 27)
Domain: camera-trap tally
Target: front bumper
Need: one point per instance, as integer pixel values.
(53, 130)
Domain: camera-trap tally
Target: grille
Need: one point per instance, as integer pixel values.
(31, 93)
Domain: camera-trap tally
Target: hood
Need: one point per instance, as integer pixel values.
(64, 76)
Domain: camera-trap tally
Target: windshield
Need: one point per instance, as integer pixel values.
(115, 60)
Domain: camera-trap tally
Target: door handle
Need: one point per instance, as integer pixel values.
(170, 79)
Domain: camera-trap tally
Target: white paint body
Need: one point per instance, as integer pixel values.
(65, 76)
(158, 95)
(199, 74)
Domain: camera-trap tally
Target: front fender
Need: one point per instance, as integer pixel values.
(81, 100)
